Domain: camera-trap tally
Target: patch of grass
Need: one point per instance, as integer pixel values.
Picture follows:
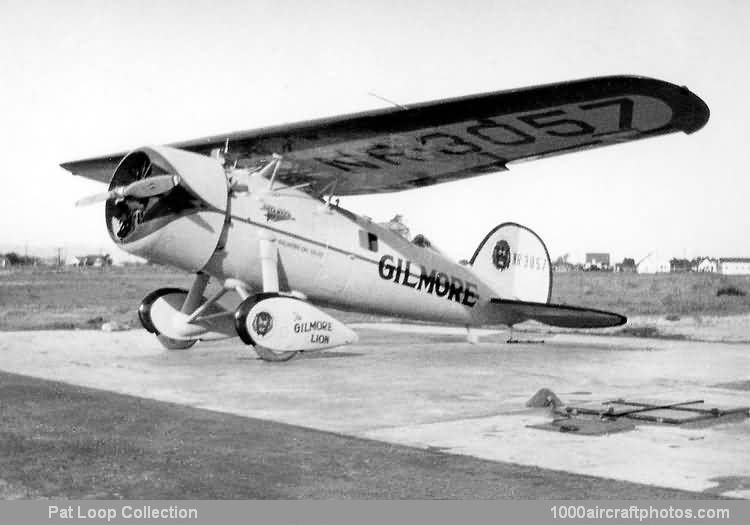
(647, 331)
(735, 385)
(75, 297)
(730, 290)
(43, 298)
(683, 294)
(640, 331)
(84, 298)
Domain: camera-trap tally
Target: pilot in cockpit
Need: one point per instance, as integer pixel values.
(421, 241)
(397, 225)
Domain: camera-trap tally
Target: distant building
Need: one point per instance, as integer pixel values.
(654, 263)
(626, 266)
(707, 265)
(734, 265)
(97, 261)
(680, 265)
(563, 266)
(50, 261)
(597, 261)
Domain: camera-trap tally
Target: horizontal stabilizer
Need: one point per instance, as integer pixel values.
(557, 314)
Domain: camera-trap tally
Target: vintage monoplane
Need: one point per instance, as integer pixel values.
(256, 211)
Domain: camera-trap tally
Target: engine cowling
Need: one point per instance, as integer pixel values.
(181, 227)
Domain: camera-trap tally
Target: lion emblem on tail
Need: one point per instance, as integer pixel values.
(501, 255)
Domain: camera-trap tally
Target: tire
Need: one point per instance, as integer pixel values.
(144, 309)
(144, 314)
(271, 356)
(175, 344)
(240, 324)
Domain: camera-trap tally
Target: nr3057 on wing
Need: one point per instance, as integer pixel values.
(250, 210)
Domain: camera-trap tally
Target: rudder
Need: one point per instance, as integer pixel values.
(515, 263)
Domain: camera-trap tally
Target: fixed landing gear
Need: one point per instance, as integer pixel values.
(261, 323)
(278, 325)
(180, 318)
(175, 297)
(169, 313)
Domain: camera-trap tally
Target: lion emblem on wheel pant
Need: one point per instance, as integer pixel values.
(501, 255)
(262, 323)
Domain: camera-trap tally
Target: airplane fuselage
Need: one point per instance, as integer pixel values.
(336, 258)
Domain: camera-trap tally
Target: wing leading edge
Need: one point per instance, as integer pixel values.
(395, 149)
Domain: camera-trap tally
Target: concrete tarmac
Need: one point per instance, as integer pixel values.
(431, 389)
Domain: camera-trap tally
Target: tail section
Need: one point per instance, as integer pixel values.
(515, 263)
(562, 315)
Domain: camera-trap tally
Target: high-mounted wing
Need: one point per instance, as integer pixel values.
(395, 149)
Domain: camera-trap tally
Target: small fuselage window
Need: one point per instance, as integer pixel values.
(368, 241)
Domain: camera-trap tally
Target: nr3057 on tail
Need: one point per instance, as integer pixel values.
(255, 211)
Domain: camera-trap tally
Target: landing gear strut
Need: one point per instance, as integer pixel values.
(191, 302)
(269, 270)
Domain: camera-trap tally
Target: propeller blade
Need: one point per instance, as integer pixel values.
(139, 189)
(99, 197)
(151, 186)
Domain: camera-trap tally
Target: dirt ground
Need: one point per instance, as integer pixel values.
(401, 415)
(413, 388)
(64, 441)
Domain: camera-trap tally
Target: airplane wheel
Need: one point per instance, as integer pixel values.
(274, 357)
(175, 344)
(177, 296)
(144, 310)
(240, 324)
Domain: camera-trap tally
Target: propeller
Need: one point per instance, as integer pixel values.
(140, 189)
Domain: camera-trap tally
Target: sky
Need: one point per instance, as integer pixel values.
(84, 78)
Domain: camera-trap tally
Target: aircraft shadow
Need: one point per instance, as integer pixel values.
(311, 355)
(328, 355)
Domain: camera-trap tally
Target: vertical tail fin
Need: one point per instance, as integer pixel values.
(514, 261)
